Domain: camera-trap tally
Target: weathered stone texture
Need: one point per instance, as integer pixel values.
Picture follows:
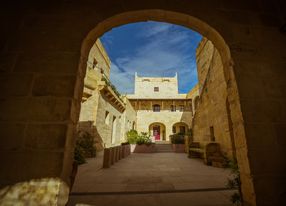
(212, 108)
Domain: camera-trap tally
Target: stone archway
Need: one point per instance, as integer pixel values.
(223, 49)
(180, 127)
(157, 131)
(39, 105)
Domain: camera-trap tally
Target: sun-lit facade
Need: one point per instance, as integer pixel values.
(160, 109)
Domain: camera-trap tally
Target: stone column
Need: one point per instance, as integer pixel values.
(107, 158)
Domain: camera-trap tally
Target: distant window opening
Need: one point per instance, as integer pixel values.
(94, 63)
(114, 125)
(173, 108)
(166, 80)
(174, 129)
(182, 129)
(156, 89)
(212, 137)
(107, 117)
(156, 108)
(181, 108)
(133, 125)
(146, 80)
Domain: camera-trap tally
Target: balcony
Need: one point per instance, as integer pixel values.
(110, 94)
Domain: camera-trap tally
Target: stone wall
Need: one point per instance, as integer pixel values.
(128, 119)
(211, 117)
(147, 117)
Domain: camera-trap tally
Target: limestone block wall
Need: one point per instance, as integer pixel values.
(128, 119)
(168, 118)
(211, 117)
(98, 58)
(193, 94)
(110, 135)
(167, 87)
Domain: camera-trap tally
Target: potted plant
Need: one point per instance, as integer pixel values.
(178, 142)
(84, 148)
(131, 137)
(144, 143)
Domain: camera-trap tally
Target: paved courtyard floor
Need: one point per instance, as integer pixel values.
(151, 179)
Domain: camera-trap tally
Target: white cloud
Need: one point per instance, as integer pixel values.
(166, 51)
(123, 81)
(155, 28)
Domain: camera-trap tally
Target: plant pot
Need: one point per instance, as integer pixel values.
(143, 148)
(178, 148)
(132, 147)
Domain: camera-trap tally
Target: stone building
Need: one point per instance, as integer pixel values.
(104, 113)
(160, 109)
(44, 51)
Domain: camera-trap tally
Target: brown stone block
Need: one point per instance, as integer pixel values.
(14, 109)
(47, 39)
(26, 165)
(107, 158)
(119, 153)
(111, 155)
(266, 161)
(240, 5)
(15, 84)
(45, 136)
(49, 109)
(116, 154)
(48, 62)
(7, 62)
(271, 189)
(280, 135)
(52, 85)
(12, 136)
(260, 136)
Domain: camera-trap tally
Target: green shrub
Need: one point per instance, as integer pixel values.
(78, 155)
(86, 142)
(132, 136)
(177, 138)
(143, 138)
(234, 182)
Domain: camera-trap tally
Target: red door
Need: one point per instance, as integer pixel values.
(156, 132)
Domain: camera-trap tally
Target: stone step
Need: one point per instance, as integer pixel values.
(163, 147)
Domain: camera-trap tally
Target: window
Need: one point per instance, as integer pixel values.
(94, 63)
(181, 108)
(182, 129)
(174, 129)
(114, 125)
(146, 80)
(212, 134)
(106, 117)
(156, 89)
(173, 108)
(156, 108)
(133, 125)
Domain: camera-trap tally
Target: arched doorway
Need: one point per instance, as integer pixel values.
(180, 127)
(157, 131)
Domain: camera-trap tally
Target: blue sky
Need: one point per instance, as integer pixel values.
(151, 49)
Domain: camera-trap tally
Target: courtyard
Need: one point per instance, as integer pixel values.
(151, 179)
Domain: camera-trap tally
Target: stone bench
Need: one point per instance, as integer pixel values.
(208, 151)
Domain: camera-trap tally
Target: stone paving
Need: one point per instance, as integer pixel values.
(152, 179)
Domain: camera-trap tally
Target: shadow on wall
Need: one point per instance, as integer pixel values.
(88, 126)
